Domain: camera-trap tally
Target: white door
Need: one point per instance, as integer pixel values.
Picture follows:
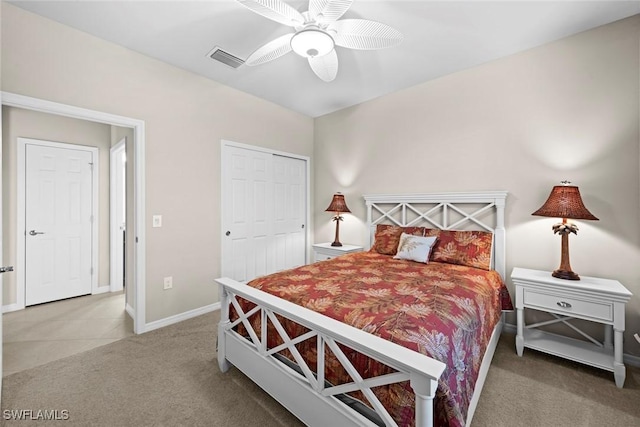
(247, 218)
(289, 178)
(118, 208)
(58, 216)
(263, 213)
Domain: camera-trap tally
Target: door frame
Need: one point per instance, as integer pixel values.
(138, 126)
(116, 282)
(21, 211)
(223, 192)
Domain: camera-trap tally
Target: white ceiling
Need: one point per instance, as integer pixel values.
(440, 37)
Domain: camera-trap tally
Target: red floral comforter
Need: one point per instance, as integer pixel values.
(445, 311)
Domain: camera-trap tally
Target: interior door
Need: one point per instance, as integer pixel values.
(289, 180)
(118, 209)
(58, 217)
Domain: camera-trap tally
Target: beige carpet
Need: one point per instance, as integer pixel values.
(170, 377)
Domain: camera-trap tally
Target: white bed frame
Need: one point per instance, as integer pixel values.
(308, 396)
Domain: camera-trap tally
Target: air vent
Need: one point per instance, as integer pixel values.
(225, 57)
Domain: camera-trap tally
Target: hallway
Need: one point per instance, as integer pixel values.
(47, 332)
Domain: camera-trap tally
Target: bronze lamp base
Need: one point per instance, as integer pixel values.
(564, 274)
(564, 271)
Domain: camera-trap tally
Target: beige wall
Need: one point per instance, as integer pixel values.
(566, 110)
(186, 117)
(17, 122)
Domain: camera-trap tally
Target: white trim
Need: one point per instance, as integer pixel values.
(101, 290)
(223, 171)
(20, 231)
(130, 311)
(631, 360)
(510, 328)
(35, 104)
(11, 307)
(182, 316)
(115, 283)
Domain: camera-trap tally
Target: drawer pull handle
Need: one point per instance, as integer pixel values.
(564, 304)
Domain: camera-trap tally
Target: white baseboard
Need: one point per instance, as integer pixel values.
(631, 360)
(628, 359)
(130, 311)
(180, 317)
(101, 290)
(12, 307)
(509, 328)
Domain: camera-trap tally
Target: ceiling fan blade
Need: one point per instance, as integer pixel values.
(270, 51)
(363, 34)
(325, 67)
(331, 10)
(276, 10)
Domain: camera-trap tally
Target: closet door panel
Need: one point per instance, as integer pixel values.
(264, 212)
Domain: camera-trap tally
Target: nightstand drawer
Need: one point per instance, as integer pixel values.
(323, 257)
(569, 305)
(325, 251)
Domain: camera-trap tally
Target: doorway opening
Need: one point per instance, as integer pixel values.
(137, 285)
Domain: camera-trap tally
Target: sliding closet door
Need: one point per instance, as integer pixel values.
(289, 178)
(263, 213)
(246, 215)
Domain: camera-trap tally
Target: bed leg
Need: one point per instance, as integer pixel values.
(223, 364)
(425, 390)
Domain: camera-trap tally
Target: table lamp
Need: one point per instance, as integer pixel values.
(565, 202)
(337, 206)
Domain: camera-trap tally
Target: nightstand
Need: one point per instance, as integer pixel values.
(324, 251)
(597, 300)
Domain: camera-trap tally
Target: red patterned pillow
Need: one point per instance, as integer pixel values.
(388, 237)
(470, 248)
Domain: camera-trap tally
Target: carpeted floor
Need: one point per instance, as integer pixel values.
(170, 377)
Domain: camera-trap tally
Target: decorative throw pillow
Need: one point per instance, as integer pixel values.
(470, 248)
(415, 248)
(388, 236)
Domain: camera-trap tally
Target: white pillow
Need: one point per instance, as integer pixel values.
(415, 248)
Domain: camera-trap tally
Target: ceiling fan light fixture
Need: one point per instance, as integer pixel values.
(311, 43)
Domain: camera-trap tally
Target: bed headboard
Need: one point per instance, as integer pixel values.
(483, 210)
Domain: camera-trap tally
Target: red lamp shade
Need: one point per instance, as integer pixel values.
(338, 205)
(565, 202)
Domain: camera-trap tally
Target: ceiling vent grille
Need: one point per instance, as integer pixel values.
(225, 57)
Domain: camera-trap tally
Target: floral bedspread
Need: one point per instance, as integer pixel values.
(445, 311)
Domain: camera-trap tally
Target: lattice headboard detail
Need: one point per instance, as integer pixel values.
(446, 211)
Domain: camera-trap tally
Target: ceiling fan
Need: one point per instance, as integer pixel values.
(317, 32)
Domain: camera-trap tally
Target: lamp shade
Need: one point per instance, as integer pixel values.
(565, 202)
(338, 204)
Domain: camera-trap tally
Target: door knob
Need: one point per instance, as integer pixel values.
(228, 233)
(34, 232)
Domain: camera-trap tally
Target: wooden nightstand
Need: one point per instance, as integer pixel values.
(323, 251)
(598, 300)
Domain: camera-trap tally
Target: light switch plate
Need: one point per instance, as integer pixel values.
(157, 221)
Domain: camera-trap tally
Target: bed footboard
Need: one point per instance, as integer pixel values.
(304, 391)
